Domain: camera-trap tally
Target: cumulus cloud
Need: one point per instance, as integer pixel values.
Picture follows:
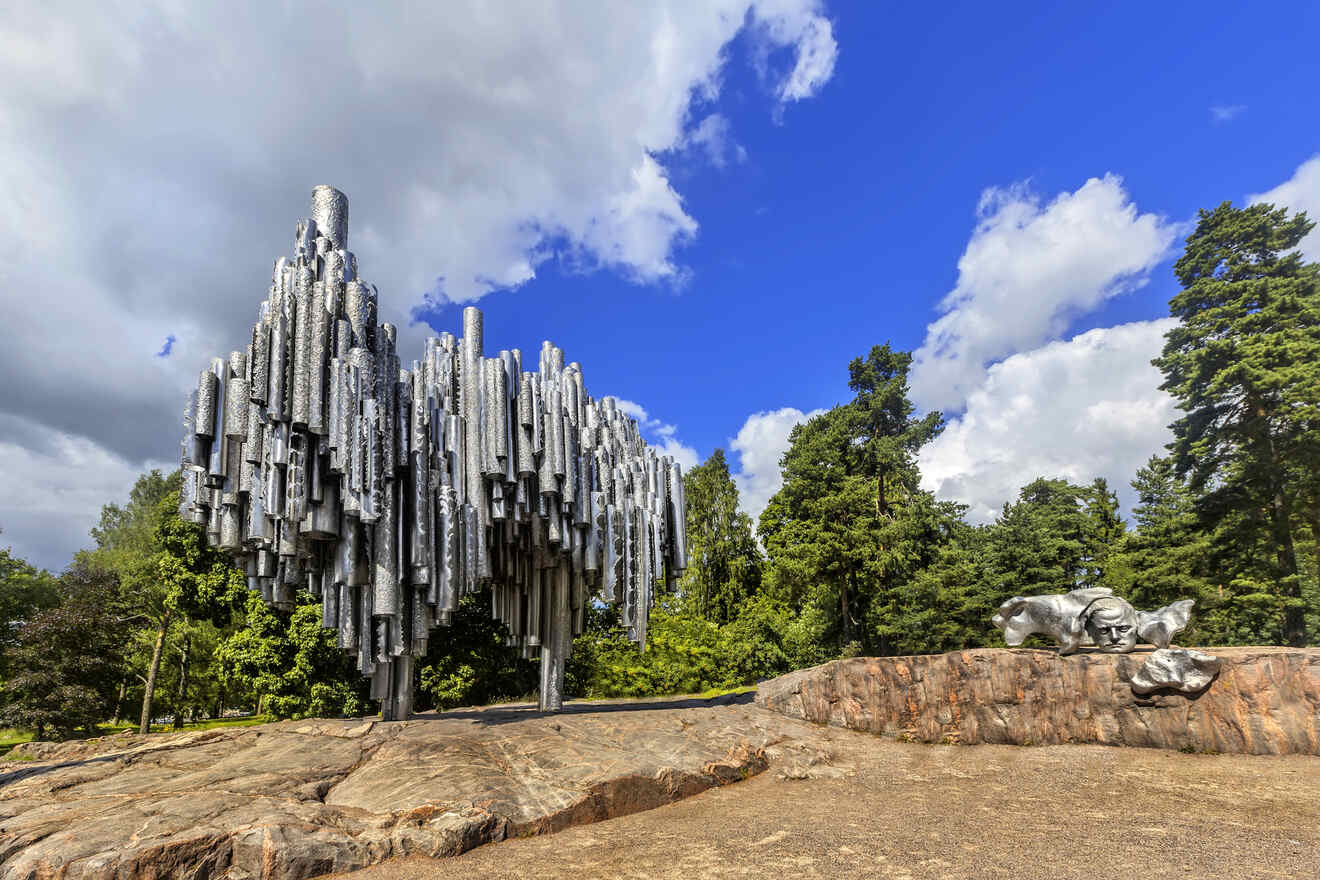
(1079, 409)
(1301, 192)
(661, 435)
(155, 158)
(1029, 269)
(760, 443)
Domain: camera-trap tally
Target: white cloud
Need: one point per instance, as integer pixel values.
(817, 51)
(1028, 270)
(713, 136)
(632, 410)
(686, 456)
(154, 160)
(660, 435)
(1085, 408)
(54, 490)
(760, 444)
(1301, 192)
(1226, 112)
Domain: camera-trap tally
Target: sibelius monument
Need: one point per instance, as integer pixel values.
(316, 462)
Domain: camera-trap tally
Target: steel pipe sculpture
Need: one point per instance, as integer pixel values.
(389, 493)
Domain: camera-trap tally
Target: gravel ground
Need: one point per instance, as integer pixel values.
(879, 808)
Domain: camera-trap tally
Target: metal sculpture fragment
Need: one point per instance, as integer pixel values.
(1179, 669)
(1090, 617)
(317, 462)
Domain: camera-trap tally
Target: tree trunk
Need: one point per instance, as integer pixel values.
(119, 702)
(1294, 618)
(149, 691)
(183, 683)
(847, 616)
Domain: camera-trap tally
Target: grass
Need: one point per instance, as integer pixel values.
(10, 737)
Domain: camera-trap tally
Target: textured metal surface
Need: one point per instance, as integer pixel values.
(320, 464)
(1092, 617)
(1179, 669)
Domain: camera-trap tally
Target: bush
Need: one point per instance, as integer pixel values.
(469, 664)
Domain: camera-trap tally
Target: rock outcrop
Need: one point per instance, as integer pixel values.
(300, 799)
(1264, 700)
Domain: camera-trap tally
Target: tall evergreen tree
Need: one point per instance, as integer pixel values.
(1244, 365)
(850, 523)
(1104, 530)
(1168, 556)
(724, 564)
(1041, 543)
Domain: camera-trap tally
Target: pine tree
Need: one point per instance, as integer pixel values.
(850, 523)
(1244, 365)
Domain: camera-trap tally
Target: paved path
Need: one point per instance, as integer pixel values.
(879, 808)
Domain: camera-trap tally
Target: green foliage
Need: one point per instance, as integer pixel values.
(67, 659)
(680, 655)
(1056, 537)
(468, 662)
(724, 564)
(1244, 365)
(947, 605)
(168, 577)
(1168, 557)
(850, 524)
(195, 580)
(24, 592)
(684, 654)
(287, 663)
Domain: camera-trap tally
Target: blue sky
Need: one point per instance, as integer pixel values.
(843, 224)
(711, 206)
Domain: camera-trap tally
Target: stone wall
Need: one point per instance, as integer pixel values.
(1264, 701)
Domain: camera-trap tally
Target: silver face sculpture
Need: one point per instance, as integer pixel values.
(318, 463)
(1090, 617)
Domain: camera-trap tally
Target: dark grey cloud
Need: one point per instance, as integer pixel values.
(156, 156)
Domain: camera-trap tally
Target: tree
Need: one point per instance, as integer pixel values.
(470, 661)
(288, 663)
(24, 592)
(1056, 536)
(850, 523)
(165, 568)
(724, 564)
(1170, 557)
(1244, 365)
(68, 658)
(947, 605)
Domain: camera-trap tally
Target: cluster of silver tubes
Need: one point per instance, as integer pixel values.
(389, 493)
